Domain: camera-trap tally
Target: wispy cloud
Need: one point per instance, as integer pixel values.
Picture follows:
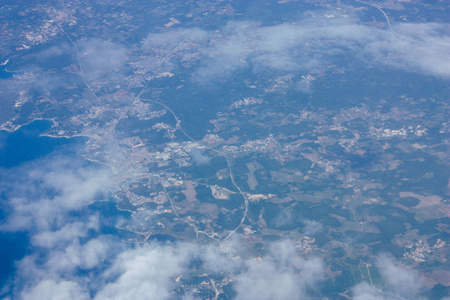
(47, 199)
(312, 227)
(70, 186)
(69, 232)
(102, 59)
(180, 37)
(52, 289)
(316, 43)
(68, 250)
(281, 274)
(400, 282)
(142, 272)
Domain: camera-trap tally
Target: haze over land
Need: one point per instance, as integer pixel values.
(224, 150)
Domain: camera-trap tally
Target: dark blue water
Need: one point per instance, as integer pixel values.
(110, 215)
(26, 145)
(5, 74)
(13, 246)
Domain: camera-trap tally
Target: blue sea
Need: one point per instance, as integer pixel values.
(26, 145)
(4, 73)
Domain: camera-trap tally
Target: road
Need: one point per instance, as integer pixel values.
(230, 170)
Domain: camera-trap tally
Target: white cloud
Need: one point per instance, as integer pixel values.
(71, 187)
(100, 58)
(42, 197)
(198, 156)
(180, 37)
(365, 291)
(312, 227)
(316, 43)
(143, 273)
(423, 47)
(54, 51)
(77, 256)
(53, 290)
(400, 283)
(284, 218)
(69, 232)
(282, 274)
(149, 271)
